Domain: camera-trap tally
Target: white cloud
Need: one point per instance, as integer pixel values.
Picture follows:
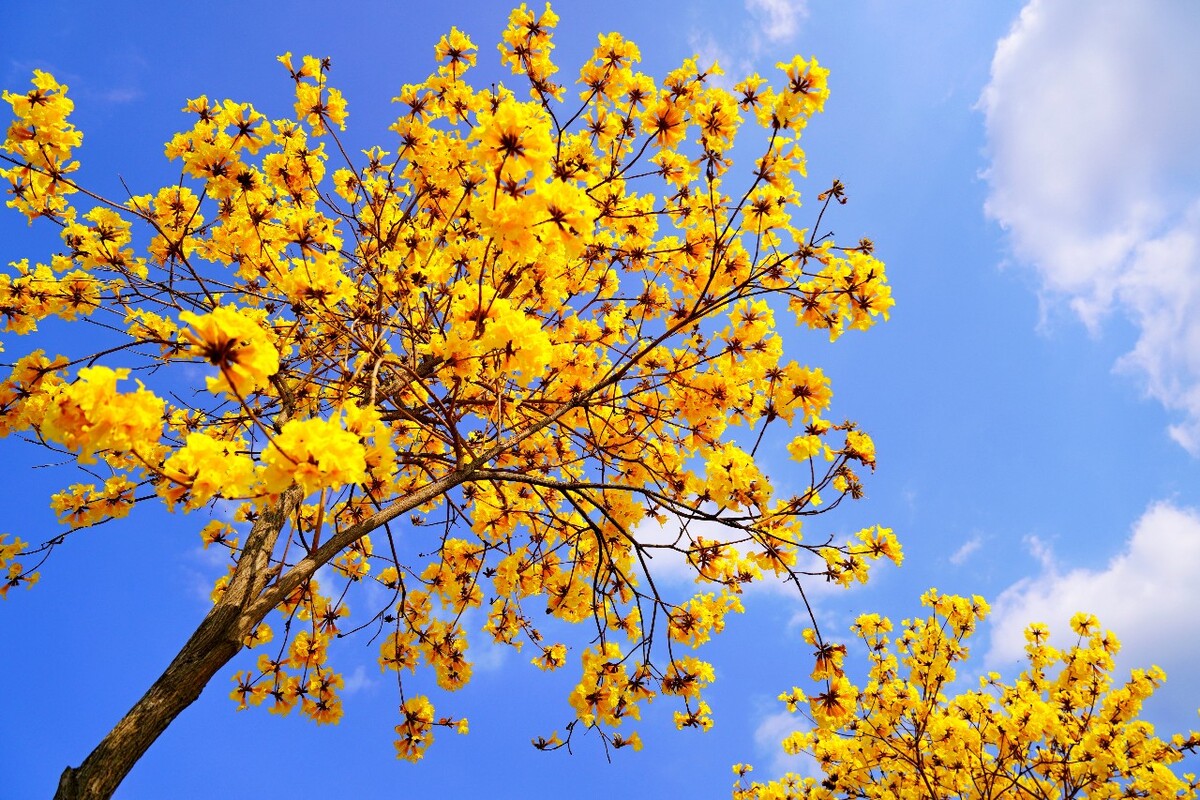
(201, 568)
(664, 563)
(1042, 552)
(1146, 595)
(1092, 115)
(199, 586)
(778, 20)
(327, 577)
(485, 654)
(769, 736)
(358, 680)
(960, 556)
(770, 25)
(708, 50)
(120, 95)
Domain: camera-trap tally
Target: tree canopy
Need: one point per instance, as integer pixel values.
(473, 367)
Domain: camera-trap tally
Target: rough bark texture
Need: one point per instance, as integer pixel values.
(217, 640)
(255, 589)
(213, 644)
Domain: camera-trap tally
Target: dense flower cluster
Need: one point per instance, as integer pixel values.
(533, 328)
(1062, 728)
(41, 141)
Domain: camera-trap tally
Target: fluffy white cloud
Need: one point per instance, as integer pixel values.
(1147, 595)
(778, 20)
(1093, 119)
(768, 738)
(968, 548)
(708, 50)
(359, 680)
(769, 26)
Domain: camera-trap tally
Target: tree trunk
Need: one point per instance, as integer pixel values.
(213, 644)
(254, 590)
(217, 640)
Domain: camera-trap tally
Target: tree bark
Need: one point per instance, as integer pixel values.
(217, 640)
(213, 644)
(254, 590)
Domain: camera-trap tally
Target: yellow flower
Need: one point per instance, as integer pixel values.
(695, 621)
(666, 122)
(307, 650)
(515, 138)
(260, 635)
(836, 703)
(315, 454)
(552, 657)
(248, 690)
(415, 733)
(205, 468)
(805, 94)
(14, 573)
(41, 140)
(90, 415)
(733, 479)
(633, 740)
(700, 717)
(233, 340)
(457, 49)
(804, 447)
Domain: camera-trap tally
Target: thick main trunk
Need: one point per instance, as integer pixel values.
(255, 589)
(217, 640)
(211, 647)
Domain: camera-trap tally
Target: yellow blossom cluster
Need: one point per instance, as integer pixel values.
(205, 468)
(89, 414)
(695, 622)
(34, 293)
(315, 454)
(415, 732)
(469, 368)
(82, 505)
(316, 102)
(607, 693)
(235, 343)
(298, 674)
(41, 140)
(25, 394)
(12, 573)
(99, 243)
(1064, 727)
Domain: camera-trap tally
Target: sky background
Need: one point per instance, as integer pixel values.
(1028, 172)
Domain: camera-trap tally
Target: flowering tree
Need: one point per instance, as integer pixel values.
(1061, 729)
(528, 330)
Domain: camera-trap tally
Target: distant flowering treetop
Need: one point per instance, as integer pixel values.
(1063, 728)
(474, 367)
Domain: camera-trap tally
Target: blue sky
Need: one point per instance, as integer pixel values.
(1028, 172)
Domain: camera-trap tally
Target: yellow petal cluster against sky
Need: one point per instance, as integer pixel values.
(1037, 230)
